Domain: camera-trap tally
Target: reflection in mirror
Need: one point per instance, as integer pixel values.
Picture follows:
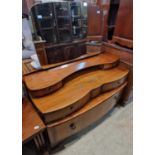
(28, 50)
(62, 29)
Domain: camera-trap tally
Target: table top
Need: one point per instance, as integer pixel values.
(31, 121)
(51, 77)
(28, 69)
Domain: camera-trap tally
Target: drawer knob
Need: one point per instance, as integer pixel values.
(71, 107)
(72, 126)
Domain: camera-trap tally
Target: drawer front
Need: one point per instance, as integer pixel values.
(55, 55)
(64, 130)
(81, 102)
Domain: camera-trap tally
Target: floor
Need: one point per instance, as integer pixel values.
(111, 136)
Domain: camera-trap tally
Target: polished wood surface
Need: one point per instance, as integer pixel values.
(66, 51)
(95, 38)
(41, 52)
(123, 34)
(126, 59)
(31, 122)
(125, 54)
(78, 91)
(105, 5)
(128, 92)
(27, 67)
(84, 117)
(123, 41)
(87, 55)
(94, 20)
(94, 48)
(45, 82)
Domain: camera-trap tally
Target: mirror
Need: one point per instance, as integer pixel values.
(62, 30)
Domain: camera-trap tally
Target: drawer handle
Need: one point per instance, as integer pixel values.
(72, 126)
(71, 107)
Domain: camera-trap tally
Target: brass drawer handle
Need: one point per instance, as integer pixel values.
(72, 126)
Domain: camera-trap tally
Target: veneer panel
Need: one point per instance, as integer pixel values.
(83, 118)
(45, 82)
(78, 91)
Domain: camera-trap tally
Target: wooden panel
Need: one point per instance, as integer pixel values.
(128, 92)
(125, 55)
(31, 122)
(84, 117)
(28, 69)
(78, 91)
(105, 6)
(94, 20)
(94, 48)
(87, 55)
(58, 54)
(94, 38)
(41, 83)
(126, 58)
(122, 41)
(55, 55)
(124, 24)
(41, 52)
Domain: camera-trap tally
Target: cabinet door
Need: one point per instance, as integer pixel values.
(123, 34)
(79, 19)
(124, 20)
(55, 55)
(69, 52)
(43, 15)
(94, 20)
(63, 21)
(81, 49)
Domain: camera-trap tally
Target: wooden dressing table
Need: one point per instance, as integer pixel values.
(69, 96)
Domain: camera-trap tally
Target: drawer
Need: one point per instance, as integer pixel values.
(59, 114)
(83, 118)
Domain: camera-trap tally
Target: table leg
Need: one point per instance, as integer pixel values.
(40, 143)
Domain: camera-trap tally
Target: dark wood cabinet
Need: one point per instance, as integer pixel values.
(63, 27)
(44, 19)
(63, 21)
(59, 22)
(123, 34)
(94, 22)
(64, 52)
(79, 19)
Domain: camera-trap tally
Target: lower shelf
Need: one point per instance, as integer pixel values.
(84, 117)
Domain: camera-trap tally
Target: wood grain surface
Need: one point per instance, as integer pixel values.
(84, 56)
(78, 91)
(123, 34)
(51, 80)
(31, 122)
(126, 58)
(27, 68)
(86, 116)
